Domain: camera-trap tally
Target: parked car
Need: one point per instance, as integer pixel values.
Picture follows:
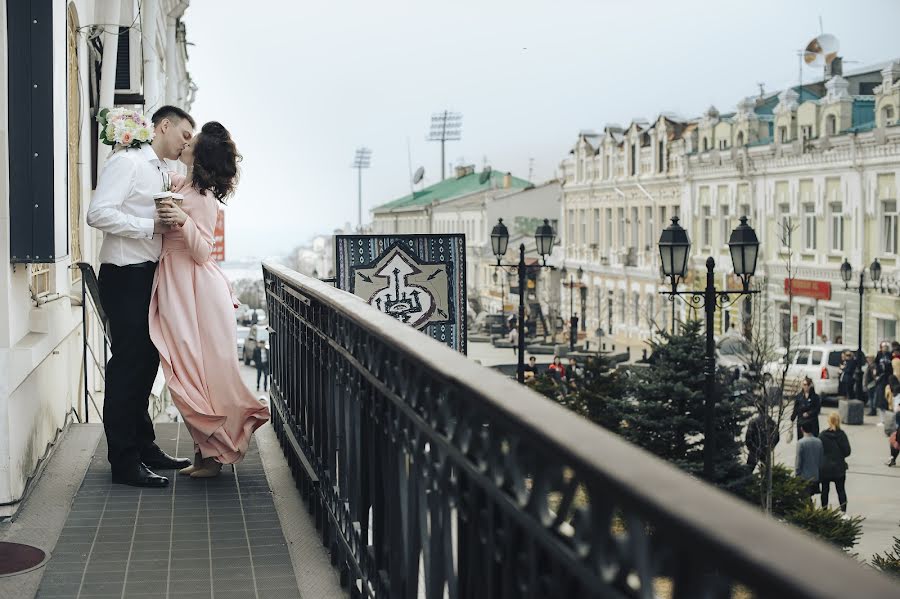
(258, 333)
(242, 334)
(733, 354)
(821, 363)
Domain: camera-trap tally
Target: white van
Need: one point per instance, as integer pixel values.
(821, 363)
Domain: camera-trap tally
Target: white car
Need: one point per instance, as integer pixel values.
(821, 363)
(242, 334)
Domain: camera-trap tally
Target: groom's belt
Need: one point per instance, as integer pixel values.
(148, 264)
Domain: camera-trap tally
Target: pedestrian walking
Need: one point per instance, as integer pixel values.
(836, 449)
(807, 406)
(883, 371)
(809, 459)
(261, 359)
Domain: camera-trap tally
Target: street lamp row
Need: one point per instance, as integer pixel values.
(543, 241)
(847, 276)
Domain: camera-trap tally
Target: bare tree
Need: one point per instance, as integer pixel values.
(768, 375)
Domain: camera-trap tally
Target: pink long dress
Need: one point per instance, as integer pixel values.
(192, 324)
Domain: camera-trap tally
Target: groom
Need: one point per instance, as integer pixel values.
(123, 208)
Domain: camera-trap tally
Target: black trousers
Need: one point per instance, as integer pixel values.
(841, 491)
(125, 295)
(262, 373)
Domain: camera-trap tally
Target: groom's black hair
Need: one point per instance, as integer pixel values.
(172, 113)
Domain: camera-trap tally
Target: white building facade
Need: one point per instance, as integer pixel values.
(41, 342)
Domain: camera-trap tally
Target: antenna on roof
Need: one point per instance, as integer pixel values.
(417, 177)
(762, 88)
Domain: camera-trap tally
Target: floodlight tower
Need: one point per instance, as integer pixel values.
(445, 126)
(363, 159)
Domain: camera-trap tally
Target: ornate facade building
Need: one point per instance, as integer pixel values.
(814, 168)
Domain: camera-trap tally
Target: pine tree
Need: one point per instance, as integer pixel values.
(889, 561)
(663, 409)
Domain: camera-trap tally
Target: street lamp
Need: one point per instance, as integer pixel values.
(847, 275)
(543, 241)
(502, 293)
(674, 253)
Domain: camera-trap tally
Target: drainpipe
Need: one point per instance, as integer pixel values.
(110, 38)
(150, 25)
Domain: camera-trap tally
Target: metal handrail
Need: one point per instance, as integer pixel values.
(408, 452)
(90, 293)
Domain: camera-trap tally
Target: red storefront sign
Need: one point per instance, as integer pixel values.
(219, 250)
(820, 290)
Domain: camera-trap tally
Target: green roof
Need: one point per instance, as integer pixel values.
(769, 104)
(451, 188)
(863, 112)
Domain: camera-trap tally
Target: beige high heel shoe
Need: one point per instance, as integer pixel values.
(193, 467)
(208, 468)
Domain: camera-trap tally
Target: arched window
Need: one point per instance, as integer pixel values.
(705, 144)
(831, 125)
(739, 142)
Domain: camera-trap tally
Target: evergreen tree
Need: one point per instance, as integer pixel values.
(889, 561)
(663, 409)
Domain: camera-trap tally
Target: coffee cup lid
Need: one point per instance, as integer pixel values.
(177, 196)
(162, 194)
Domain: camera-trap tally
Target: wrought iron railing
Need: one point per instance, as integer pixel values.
(93, 317)
(429, 475)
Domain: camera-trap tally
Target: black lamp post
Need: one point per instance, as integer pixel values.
(573, 321)
(543, 241)
(847, 275)
(674, 252)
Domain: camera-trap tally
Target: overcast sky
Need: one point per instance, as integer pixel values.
(301, 84)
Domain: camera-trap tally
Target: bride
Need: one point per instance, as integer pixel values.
(192, 321)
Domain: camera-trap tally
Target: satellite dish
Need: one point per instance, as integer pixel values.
(485, 175)
(420, 172)
(821, 51)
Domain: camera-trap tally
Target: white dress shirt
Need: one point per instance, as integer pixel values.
(123, 207)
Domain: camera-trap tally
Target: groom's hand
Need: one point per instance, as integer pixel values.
(159, 226)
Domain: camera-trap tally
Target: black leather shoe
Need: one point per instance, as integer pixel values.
(141, 477)
(156, 459)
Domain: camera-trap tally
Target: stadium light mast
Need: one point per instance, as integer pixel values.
(445, 126)
(362, 159)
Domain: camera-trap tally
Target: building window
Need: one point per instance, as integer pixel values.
(651, 310)
(726, 224)
(837, 227)
(40, 280)
(620, 240)
(608, 242)
(831, 124)
(571, 221)
(661, 157)
(887, 116)
(636, 299)
(705, 144)
(635, 228)
(740, 139)
(723, 144)
(663, 221)
(809, 226)
(885, 329)
(608, 173)
(596, 238)
(622, 306)
(582, 220)
(706, 238)
(806, 132)
(609, 312)
(787, 226)
(745, 210)
(633, 159)
(782, 135)
(889, 226)
(648, 227)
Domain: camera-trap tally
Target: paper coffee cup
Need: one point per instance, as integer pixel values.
(159, 197)
(177, 198)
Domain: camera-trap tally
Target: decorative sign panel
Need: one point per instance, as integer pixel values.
(418, 279)
(219, 234)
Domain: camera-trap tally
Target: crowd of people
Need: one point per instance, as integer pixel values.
(821, 457)
(566, 377)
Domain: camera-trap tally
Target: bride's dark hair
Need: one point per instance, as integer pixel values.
(215, 161)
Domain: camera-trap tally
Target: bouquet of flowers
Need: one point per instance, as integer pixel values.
(124, 127)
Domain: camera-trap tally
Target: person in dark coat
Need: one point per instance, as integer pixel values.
(883, 371)
(755, 439)
(261, 359)
(847, 382)
(807, 406)
(834, 465)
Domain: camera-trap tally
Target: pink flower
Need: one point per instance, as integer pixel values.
(127, 138)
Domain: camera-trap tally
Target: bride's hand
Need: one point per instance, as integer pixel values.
(172, 214)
